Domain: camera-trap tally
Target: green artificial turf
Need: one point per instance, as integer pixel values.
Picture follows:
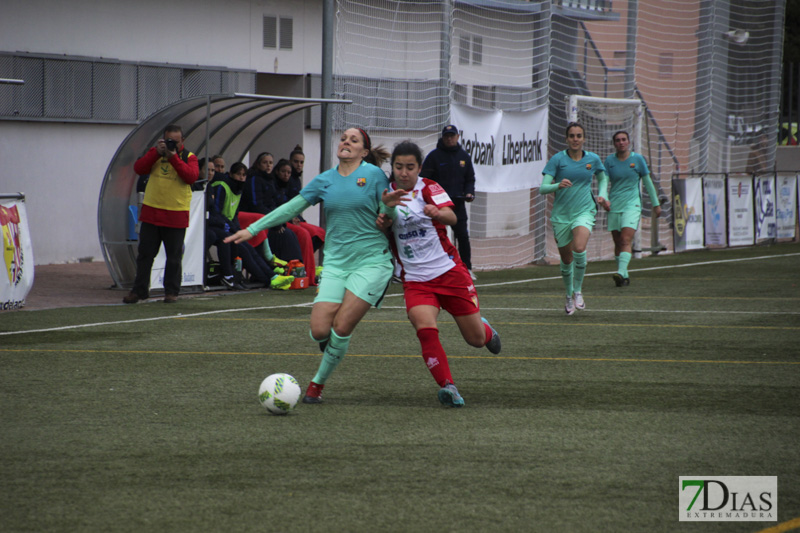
(148, 419)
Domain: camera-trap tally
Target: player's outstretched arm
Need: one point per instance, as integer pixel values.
(240, 236)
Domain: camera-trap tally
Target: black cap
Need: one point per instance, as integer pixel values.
(449, 129)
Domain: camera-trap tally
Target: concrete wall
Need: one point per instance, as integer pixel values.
(60, 166)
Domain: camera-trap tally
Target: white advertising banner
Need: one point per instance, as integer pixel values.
(16, 280)
(741, 231)
(715, 211)
(786, 206)
(508, 150)
(193, 248)
(688, 205)
(765, 208)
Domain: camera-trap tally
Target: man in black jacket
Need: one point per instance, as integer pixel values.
(450, 166)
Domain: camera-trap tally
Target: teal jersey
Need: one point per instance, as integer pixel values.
(572, 201)
(624, 181)
(351, 206)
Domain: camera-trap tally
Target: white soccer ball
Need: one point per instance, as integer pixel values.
(279, 393)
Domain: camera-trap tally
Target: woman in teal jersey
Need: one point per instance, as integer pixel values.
(358, 265)
(625, 170)
(569, 175)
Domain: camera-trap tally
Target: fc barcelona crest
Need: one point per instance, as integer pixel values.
(361, 182)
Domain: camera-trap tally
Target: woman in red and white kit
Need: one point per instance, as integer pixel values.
(433, 275)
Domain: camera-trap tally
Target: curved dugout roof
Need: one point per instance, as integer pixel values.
(232, 123)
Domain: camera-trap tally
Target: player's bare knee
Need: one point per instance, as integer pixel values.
(320, 333)
(478, 340)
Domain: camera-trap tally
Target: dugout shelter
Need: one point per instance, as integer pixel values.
(222, 123)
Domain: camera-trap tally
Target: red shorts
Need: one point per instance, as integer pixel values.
(453, 291)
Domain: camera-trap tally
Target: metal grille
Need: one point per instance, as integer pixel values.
(158, 87)
(286, 33)
(6, 91)
(65, 95)
(200, 82)
(87, 90)
(270, 32)
(29, 99)
(391, 104)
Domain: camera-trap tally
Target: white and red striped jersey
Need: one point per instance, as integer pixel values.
(420, 243)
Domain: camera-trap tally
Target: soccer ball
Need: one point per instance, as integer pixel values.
(279, 393)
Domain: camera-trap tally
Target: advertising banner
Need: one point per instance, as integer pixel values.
(193, 248)
(741, 231)
(16, 280)
(715, 212)
(508, 150)
(786, 206)
(688, 206)
(765, 208)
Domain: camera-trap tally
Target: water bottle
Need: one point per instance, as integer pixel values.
(238, 265)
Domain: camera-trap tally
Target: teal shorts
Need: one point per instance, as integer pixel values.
(626, 219)
(368, 282)
(563, 230)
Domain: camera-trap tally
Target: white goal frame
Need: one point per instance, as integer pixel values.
(574, 101)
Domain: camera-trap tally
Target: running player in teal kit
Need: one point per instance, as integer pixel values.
(569, 175)
(626, 169)
(358, 262)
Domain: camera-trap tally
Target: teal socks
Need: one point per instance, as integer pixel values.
(580, 270)
(566, 276)
(333, 355)
(622, 263)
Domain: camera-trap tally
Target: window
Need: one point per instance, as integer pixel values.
(278, 32)
(477, 50)
(287, 33)
(463, 50)
(470, 50)
(270, 38)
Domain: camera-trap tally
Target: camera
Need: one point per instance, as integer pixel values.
(172, 144)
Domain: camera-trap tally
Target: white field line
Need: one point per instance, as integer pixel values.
(179, 315)
(138, 320)
(701, 263)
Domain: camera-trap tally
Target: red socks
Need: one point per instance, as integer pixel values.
(489, 333)
(434, 356)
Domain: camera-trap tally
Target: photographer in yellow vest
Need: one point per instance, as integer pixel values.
(165, 212)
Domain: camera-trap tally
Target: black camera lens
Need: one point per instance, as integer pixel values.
(172, 144)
